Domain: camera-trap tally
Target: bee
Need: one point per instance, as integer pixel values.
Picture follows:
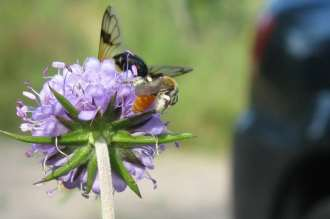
(154, 85)
(159, 85)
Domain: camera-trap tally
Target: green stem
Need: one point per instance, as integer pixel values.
(104, 174)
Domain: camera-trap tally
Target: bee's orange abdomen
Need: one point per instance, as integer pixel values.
(142, 103)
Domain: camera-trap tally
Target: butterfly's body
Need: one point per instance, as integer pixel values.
(127, 59)
(154, 86)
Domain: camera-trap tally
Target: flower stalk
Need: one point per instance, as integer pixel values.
(105, 178)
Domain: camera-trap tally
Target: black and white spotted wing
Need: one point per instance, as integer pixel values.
(110, 34)
(172, 71)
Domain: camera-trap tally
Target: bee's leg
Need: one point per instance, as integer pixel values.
(162, 102)
(174, 94)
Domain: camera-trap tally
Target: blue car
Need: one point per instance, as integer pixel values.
(281, 157)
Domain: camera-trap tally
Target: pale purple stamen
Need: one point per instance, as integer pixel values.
(58, 65)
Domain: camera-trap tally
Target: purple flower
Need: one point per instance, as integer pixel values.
(89, 88)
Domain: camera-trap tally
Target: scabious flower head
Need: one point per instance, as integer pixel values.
(90, 88)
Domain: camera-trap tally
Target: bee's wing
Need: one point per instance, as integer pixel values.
(148, 88)
(110, 34)
(172, 71)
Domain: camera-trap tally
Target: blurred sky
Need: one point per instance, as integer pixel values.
(212, 36)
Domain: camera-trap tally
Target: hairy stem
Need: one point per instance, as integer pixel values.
(104, 173)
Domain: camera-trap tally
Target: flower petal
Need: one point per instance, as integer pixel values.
(87, 115)
(58, 65)
(118, 184)
(153, 127)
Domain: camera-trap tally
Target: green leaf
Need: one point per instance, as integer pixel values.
(80, 156)
(72, 111)
(118, 165)
(72, 138)
(91, 173)
(132, 121)
(78, 137)
(29, 138)
(69, 124)
(126, 140)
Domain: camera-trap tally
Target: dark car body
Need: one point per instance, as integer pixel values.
(281, 158)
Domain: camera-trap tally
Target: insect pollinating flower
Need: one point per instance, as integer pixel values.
(90, 88)
(118, 99)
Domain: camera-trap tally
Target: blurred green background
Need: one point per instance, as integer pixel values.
(212, 36)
